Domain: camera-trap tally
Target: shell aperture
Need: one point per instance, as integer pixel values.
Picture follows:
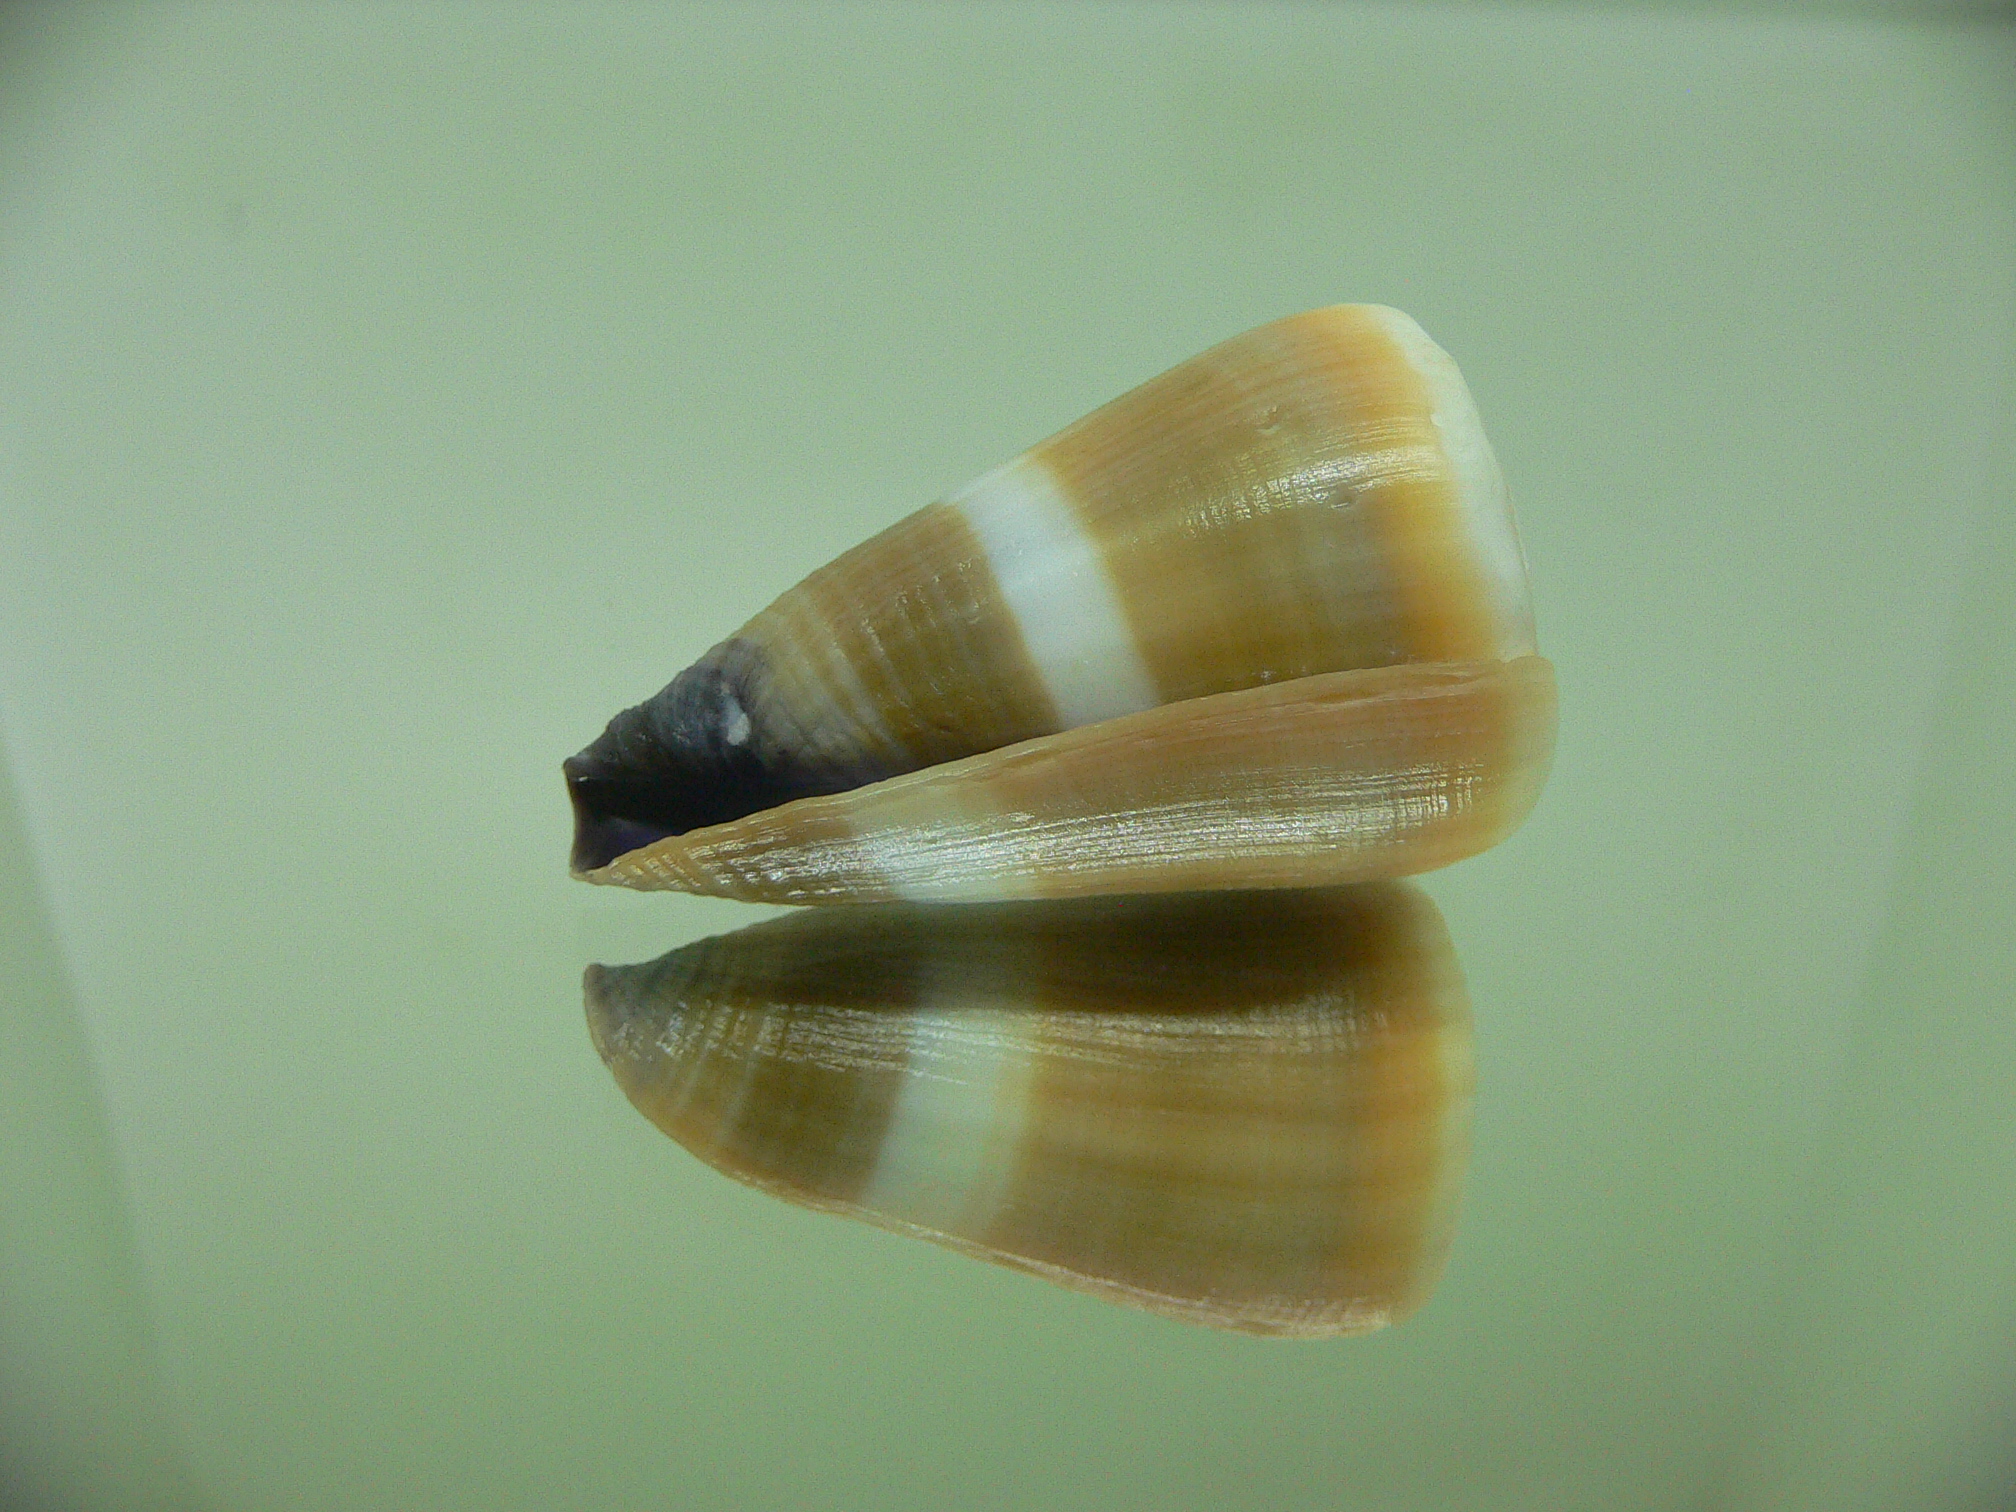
(1342, 777)
(1247, 1110)
(1311, 502)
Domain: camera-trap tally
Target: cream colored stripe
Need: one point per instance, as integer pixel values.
(957, 1125)
(1482, 500)
(1059, 591)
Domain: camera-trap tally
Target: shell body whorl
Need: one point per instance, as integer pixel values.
(1245, 1110)
(1312, 498)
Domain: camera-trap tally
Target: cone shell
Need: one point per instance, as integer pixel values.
(1245, 1110)
(1314, 497)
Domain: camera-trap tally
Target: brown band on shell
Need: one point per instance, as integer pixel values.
(1438, 591)
(1256, 569)
(915, 615)
(1276, 460)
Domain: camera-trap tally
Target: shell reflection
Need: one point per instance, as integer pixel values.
(1246, 1110)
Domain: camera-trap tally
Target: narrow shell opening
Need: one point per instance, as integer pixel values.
(609, 821)
(685, 758)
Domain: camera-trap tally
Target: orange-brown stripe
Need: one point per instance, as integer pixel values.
(1277, 507)
(1432, 563)
(918, 616)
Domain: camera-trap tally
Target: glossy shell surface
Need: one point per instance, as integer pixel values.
(1312, 498)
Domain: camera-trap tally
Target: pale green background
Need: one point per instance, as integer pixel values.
(388, 395)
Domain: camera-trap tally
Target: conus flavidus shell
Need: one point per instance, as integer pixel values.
(1232, 575)
(1248, 1110)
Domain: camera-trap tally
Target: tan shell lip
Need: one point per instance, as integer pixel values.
(1342, 777)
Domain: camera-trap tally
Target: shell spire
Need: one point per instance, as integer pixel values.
(1312, 499)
